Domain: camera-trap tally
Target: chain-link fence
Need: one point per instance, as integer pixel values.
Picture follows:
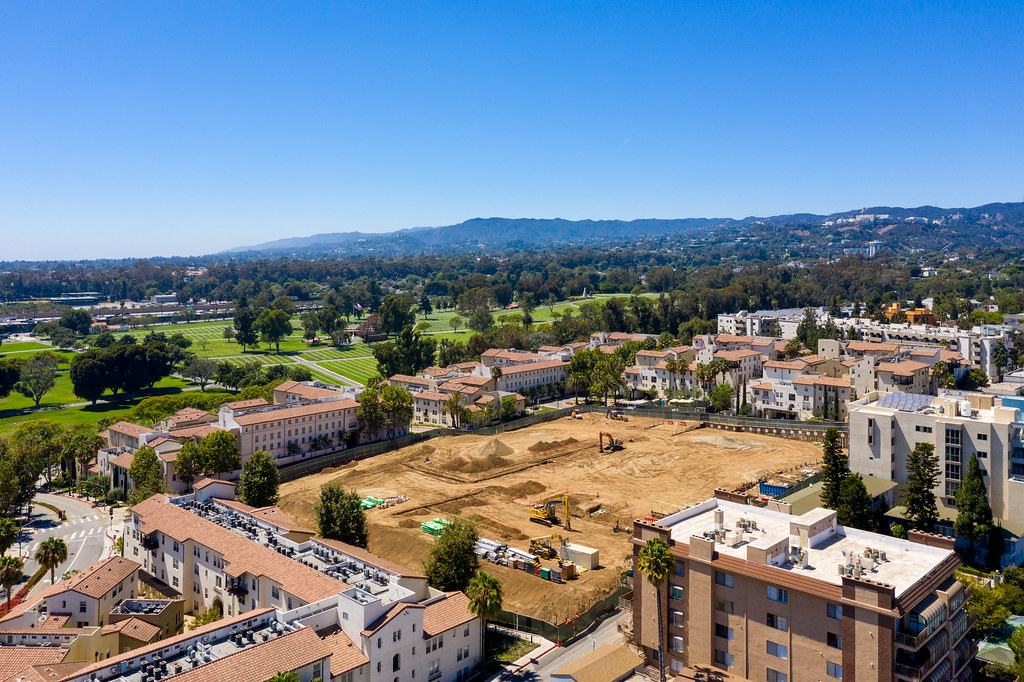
(567, 631)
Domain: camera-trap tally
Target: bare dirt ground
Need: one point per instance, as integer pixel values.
(494, 480)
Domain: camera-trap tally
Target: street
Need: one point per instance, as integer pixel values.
(84, 531)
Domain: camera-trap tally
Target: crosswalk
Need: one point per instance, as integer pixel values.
(77, 535)
(84, 519)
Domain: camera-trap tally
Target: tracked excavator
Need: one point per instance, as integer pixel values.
(544, 513)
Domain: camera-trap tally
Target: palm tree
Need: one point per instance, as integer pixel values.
(578, 381)
(453, 406)
(495, 375)
(672, 366)
(285, 677)
(8, 534)
(51, 554)
(656, 562)
(10, 573)
(485, 598)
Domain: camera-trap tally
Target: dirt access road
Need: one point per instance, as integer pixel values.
(494, 480)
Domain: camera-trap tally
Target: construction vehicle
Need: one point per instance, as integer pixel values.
(541, 546)
(575, 415)
(613, 443)
(615, 414)
(544, 513)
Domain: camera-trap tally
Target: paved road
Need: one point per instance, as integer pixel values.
(605, 633)
(84, 530)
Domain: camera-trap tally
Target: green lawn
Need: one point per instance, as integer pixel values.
(357, 369)
(22, 346)
(61, 394)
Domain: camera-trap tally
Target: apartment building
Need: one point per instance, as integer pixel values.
(885, 428)
(499, 357)
(744, 365)
(291, 432)
(531, 375)
(764, 595)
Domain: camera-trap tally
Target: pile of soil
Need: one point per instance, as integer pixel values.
(543, 446)
(524, 489)
(496, 448)
(478, 466)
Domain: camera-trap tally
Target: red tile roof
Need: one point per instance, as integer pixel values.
(129, 428)
(778, 364)
(345, 655)
(297, 411)
(240, 554)
(14, 659)
(134, 628)
(406, 379)
(304, 391)
(259, 663)
(445, 614)
(243, 404)
(532, 366)
(99, 577)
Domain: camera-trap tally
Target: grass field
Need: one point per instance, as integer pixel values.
(22, 346)
(357, 369)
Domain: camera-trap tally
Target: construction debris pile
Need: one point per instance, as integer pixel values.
(371, 502)
(435, 527)
(501, 554)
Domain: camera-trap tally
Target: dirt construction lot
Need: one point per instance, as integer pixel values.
(494, 480)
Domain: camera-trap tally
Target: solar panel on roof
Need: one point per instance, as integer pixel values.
(905, 402)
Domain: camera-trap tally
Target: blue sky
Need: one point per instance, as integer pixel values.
(176, 128)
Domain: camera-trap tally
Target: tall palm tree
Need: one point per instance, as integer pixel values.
(10, 573)
(453, 406)
(8, 534)
(495, 375)
(578, 381)
(51, 554)
(655, 561)
(485, 598)
(672, 366)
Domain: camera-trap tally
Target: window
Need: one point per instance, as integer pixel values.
(174, 581)
(465, 633)
(680, 567)
(982, 454)
(723, 605)
(676, 592)
(677, 644)
(396, 662)
(724, 579)
(833, 640)
(923, 429)
(982, 436)
(81, 607)
(835, 611)
(778, 594)
(775, 676)
(777, 650)
(953, 471)
(723, 658)
(951, 488)
(458, 655)
(777, 622)
(835, 670)
(723, 631)
(378, 642)
(275, 593)
(677, 618)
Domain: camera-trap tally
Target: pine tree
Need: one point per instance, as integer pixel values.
(833, 469)
(854, 508)
(922, 511)
(974, 514)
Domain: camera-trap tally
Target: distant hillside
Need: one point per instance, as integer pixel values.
(996, 224)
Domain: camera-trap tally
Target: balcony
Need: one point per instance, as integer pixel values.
(238, 588)
(434, 676)
(149, 542)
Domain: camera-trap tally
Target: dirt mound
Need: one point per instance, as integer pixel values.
(727, 442)
(525, 488)
(480, 465)
(496, 448)
(408, 523)
(424, 451)
(543, 446)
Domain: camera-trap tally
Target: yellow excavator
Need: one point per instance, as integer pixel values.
(542, 546)
(545, 513)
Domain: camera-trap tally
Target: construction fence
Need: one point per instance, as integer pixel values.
(568, 631)
(781, 428)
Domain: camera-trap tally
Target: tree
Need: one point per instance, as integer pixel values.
(38, 376)
(200, 370)
(656, 563)
(1000, 356)
(189, 465)
(943, 377)
(974, 379)
(834, 469)
(36, 445)
(396, 406)
(396, 313)
(79, 446)
(453, 406)
(854, 507)
(8, 534)
(576, 382)
(52, 553)
(480, 319)
(370, 414)
(974, 514)
(496, 373)
(509, 408)
(245, 332)
(898, 531)
(339, 514)
(273, 326)
(452, 561)
(485, 597)
(259, 481)
(88, 375)
(10, 373)
(793, 348)
(147, 478)
(285, 676)
(919, 492)
(1016, 644)
(425, 306)
(721, 397)
(10, 572)
(78, 321)
(408, 354)
(455, 322)
(219, 453)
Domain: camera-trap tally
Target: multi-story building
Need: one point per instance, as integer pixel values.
(531, 375)
(764, 595)
(886, 427)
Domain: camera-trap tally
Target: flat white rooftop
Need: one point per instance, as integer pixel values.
(905, 564)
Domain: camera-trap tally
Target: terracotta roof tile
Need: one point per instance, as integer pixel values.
(244, 404)
(240, 554)
(99, 577)
(129, 428)
(445, 614)
(261, 662)
(134, 628)
(532, 366)
(345, 655)
(406, 379)
(297, 411)
(14, 659)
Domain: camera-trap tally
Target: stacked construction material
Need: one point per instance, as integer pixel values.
(435, 527)
(370, 502)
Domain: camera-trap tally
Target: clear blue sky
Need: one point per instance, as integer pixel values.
(175, 128)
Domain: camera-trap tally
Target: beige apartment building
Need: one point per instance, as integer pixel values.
(764, 595)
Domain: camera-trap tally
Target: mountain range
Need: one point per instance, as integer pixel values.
(989, 223)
